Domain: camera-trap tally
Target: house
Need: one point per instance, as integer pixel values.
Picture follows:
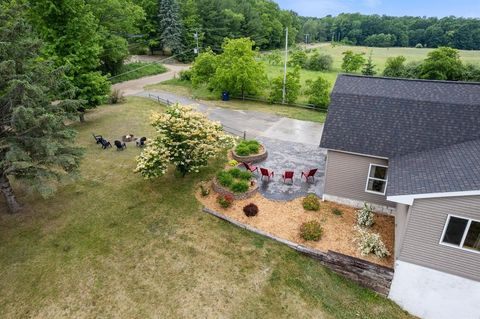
(411, 148)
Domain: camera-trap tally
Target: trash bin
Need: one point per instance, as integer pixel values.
(225, 96)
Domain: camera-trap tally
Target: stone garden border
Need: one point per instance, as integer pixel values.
(224, 191)
(251, 158)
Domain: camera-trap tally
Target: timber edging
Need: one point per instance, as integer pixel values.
(367, 274)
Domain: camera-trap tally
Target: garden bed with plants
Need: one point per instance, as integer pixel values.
(331, 227)
(249, 151)
(235, 183)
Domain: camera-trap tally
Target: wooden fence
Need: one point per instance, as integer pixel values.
(367, 274)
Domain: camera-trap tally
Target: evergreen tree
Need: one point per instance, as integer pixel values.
(369, 67)
(35, 144)
(170, 26)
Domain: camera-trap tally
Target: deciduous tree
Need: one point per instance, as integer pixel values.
(318, 92)
(186, 139)
(352, 62)
(238, 70)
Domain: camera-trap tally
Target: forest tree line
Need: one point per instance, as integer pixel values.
(388, 31)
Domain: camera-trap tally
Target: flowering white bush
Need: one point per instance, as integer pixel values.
(187, 140)
(370, 243)
(365, 216)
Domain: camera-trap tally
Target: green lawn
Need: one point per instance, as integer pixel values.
(136, 70)
(114, 245)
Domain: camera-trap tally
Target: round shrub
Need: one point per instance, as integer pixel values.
(239, 187)
(311, 202)
(244, 175)
(232, 163)
(337, 211)
(225, 200)
(247, 147)
(371, 243)
(250, 210)
(235, 172)
(311, 231)
(365, 216)
(225, 179)
(242, 150)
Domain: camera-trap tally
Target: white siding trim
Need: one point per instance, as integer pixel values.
(408, 199)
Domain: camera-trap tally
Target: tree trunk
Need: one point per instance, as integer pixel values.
(81, 115)
(9, 195)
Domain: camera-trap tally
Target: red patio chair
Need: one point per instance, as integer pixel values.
(287, 175)
(266, 173)
(251, 168)
(311, 173)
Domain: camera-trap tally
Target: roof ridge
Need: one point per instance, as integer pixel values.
(407, 79)
(477, 139)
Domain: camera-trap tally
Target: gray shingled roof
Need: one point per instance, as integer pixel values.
(454, 168)
(389, 117)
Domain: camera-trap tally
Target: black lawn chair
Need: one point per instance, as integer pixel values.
(141, 142)
(120, 145)
(97, 138)
(105, 144)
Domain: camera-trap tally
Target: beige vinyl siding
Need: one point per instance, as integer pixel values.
(346, 177)
(425, 226)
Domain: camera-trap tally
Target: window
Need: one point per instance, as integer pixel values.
(462, 233)
(377, 179)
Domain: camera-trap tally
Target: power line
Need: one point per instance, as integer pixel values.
(144, 66)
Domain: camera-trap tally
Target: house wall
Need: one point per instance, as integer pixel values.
(421, 244)
(432, 294)
(346, 178)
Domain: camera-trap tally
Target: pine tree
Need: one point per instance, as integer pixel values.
(369, 67)
(35, 144)
(170, 26)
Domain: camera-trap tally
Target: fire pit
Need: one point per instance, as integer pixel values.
(127, 138)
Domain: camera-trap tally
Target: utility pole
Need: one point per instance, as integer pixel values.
(285, 68)
(307, 37)
(196, 50)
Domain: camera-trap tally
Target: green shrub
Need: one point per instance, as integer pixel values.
(337, 211)
(248, 147)
(311, 202)
(185, 75)
(204, 189)
(225, 179)
(311, 230)
(242, 150)
(235, 172)
(225, 200)
(239, 187)
(246, 176)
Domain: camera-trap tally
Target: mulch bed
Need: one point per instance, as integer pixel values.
(283, 219)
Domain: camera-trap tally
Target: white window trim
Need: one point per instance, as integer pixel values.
(377, 179)
(467, 228)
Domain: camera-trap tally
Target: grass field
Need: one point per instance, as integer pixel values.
(380, 55)
(136, 70)
(112, 245)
